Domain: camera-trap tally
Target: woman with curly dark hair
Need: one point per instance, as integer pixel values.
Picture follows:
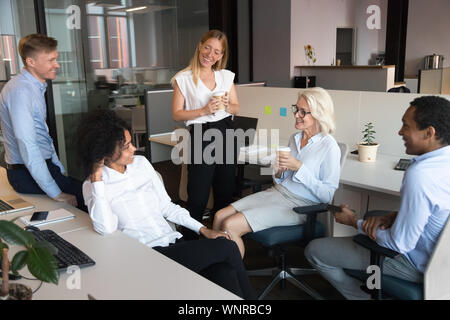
(123, 192)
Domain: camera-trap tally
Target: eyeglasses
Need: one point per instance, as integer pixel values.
(302, 113)
(209, 49)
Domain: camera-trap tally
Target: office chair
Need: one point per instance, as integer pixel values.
(401, 89)
(436, 283)
(250, 180)
(171, 224)
(275, 238)
(138, 126)
(391, 287)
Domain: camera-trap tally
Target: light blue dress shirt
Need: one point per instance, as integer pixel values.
(25, 132)
(424, 209)
(318, 178)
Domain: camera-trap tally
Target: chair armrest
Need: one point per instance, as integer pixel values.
(368, 243)
(376, 213)
(314, 209)
(311, 215)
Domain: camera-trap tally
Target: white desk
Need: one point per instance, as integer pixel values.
(378, 176)
(44, 203)
(125, 268)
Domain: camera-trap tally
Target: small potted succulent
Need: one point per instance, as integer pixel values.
(367, 149)
(37, 256)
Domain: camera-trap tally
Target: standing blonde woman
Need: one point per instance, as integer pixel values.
(308, 175)
(195, 101)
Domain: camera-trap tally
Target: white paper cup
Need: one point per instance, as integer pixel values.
(286, 151)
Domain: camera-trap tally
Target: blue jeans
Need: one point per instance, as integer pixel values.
(22, 182)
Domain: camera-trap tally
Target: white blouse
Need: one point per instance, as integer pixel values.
(196, 97)
(137, 204)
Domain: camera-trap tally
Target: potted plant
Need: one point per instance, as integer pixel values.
(37, 256)
(367, 149)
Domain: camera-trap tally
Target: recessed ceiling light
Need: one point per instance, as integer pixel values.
(136, 9)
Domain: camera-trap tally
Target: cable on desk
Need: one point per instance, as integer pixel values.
(40, 285)
(29, 278)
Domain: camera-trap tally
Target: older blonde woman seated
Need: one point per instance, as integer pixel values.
(309, 175)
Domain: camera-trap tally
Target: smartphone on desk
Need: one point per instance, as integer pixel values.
(39, 216)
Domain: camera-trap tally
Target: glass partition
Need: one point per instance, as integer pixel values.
(63, 21)
(140, 45)
(109, 51)
(17, 19)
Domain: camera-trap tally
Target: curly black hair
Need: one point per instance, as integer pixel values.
(98, 135)
(433, 111)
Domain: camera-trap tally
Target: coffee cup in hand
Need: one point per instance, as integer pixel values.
(283, 152)
(219, 95)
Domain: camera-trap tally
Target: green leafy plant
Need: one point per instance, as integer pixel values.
(37, 256)
(369, 138)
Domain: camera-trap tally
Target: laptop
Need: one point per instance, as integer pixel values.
(13, 203)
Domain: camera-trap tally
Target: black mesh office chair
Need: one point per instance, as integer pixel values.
(274, 239)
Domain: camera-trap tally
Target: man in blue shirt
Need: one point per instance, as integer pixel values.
(414, 230)
(32, 163)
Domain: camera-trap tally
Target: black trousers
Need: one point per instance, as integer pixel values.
(201, 176)
(218, 260)
(22, 182)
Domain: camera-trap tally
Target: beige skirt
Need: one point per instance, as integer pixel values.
(272, 208)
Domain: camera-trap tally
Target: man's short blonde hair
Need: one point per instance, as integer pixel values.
(32, 44)
(322, 108)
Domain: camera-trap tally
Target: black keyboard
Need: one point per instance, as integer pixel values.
(403, 164)
(4, 206)
(68, 255)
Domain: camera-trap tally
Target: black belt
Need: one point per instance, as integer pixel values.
(22, 166)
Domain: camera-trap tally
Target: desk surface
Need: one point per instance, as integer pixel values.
(125, 268)
(376, 176)
(164, 138)
(44, 203)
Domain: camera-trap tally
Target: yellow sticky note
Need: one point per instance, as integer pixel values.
(268, 110)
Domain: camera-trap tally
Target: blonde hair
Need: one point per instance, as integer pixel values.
(322, 108)
(35, 43)
(194, 65)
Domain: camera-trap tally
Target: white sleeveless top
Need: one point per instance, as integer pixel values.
(196, 97)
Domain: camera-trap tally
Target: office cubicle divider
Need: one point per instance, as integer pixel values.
(158, 113)
(353, 109)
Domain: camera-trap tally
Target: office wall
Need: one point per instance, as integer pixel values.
(369, 42)
(272, 42)
(243, 41)
(315, 21)
(428, 33)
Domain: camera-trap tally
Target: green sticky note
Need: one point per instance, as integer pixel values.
(283, 112)
(268, 110)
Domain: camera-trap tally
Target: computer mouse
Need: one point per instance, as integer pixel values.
(31, 228)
